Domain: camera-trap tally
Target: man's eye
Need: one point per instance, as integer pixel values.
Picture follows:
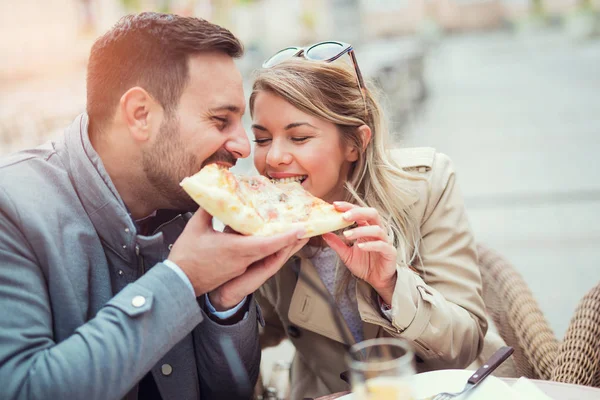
(260, 142)
(222, 122)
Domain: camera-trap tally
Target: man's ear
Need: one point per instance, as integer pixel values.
(365, 136)
(139, 111)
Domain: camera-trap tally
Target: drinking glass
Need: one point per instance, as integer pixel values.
(381, 369)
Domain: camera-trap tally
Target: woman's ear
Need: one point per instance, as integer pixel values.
(365, 135)
(364, 132)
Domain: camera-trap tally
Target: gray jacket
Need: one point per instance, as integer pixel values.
(78, 319)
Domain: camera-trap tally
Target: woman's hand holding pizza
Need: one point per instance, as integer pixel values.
(370, 256)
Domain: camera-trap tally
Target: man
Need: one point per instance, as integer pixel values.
(109, 287)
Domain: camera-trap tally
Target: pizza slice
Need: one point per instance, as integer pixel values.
(253, 205)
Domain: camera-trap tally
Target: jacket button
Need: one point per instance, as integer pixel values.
(138, 301)
(166, 369)
(293, 331)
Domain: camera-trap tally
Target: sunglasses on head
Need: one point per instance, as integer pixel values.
(324, 51)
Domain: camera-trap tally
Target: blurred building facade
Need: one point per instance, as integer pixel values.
(41, 33)
(45, 45)
(390, 17)
(273, 24)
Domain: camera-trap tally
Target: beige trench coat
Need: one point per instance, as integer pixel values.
(440, 311)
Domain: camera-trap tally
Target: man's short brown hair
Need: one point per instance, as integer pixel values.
(149, 50)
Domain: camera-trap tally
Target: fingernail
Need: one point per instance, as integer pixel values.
(347, 215)
(348, 233)
(360, 245)
(337, 203)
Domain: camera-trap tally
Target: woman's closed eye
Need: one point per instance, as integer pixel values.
(295, 139)
(300, 139)
(261, 141)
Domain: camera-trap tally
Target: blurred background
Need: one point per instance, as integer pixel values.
(509, 89)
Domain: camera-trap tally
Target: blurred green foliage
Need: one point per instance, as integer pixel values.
(131, 5)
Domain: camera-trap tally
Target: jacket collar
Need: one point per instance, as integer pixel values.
(96, 191)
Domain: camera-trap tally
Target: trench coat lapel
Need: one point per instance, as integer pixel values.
(312, 307)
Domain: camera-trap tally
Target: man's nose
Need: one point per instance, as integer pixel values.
(278, 155)
(239, 145)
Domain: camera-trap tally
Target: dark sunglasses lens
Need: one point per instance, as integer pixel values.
(324, 51)
(281, 57)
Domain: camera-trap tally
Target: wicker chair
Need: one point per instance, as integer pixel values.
(522, 325)
(578, 358)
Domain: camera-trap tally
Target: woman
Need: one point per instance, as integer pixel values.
(407, 268)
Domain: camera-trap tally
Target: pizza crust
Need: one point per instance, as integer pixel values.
(221, 204)
(313, 227)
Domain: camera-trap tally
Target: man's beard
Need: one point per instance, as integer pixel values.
(220, 155)
(168, 162)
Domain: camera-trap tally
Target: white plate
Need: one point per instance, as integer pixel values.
(453, 380)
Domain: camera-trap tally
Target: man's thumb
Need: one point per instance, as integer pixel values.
(201, 220)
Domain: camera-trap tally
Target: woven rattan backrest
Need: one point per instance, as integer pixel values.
(578, 359)
(517, 316)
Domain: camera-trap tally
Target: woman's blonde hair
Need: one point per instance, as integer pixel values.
(330, 91)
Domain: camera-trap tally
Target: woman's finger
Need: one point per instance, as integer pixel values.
(368, 214)
(343, 205)
(373, 232)
(379, 246)
(338, 245)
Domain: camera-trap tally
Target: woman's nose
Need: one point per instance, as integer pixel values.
(278, 155)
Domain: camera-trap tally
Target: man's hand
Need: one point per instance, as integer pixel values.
(232, 292)
(210, 259)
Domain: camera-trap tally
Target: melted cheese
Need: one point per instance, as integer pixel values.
(281, 203)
